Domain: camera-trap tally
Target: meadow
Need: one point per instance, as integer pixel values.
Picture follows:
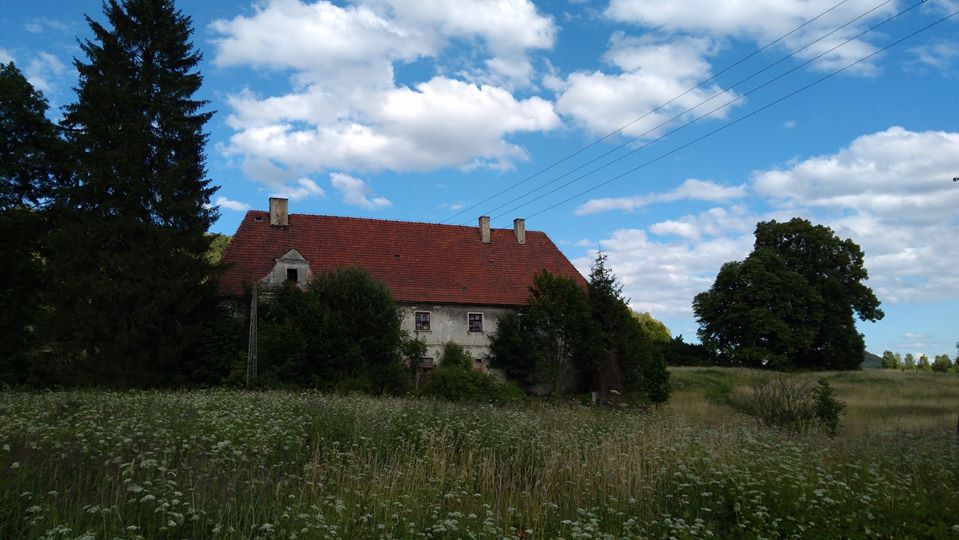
(231, 464)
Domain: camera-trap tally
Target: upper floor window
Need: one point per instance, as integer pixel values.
(475, 321)
(422, 321)
(292, 274)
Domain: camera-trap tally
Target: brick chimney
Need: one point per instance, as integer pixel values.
(484, 229)
(519, 229)
(279, 212)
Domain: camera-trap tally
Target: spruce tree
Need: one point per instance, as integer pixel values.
(128, 256)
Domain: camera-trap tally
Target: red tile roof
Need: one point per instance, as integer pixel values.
(419, 262)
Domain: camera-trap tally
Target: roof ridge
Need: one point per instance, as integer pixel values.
(383, 220)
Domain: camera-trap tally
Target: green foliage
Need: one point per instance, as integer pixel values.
(908, 361)
(828, 408)
(454, 357)
(791, 303)
(30, 151)
(891, 360)
(218, 244)
(792, 404)
(456, 380)
(130, 280)
(654, 330)
(566, 341)
(547, 343)
(677, 352)
(923, 363)
(30, 148)
(942, 364)
(628, 359)
(342, 331)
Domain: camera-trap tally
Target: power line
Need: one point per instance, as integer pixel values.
(700, 117)
(621, 128)
(753, 113)
(707, 100)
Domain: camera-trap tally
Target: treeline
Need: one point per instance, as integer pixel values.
(104, 215)
(940, 364)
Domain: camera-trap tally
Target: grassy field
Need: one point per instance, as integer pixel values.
(223, 464)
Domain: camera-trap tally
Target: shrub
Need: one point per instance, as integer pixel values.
(456, 380)
(792, 405)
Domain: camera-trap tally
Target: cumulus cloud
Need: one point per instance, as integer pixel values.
(345, 111)
(765, 20)
(439, 123)
(662, 276)
(652, 82)
(230, 204)
(6, 57)
(891, 192)
(302, 188)
(691, 189)
(356, 192)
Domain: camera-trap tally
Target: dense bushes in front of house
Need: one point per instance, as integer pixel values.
(456, 380)
(572, 341)
(341, 332)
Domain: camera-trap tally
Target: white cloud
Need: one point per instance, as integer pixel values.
(440, 123)
(891, 192)
(764, 21)
(6, 57)
(43, 71)
(938, 55)
(302, 188)
(230, 204)
(653, 72)
(662, 276)
(345, 111)
(357, 193)
(789, 124)
(691, 189)
(41, 24)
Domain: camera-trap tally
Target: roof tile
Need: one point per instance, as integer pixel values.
(419, 262)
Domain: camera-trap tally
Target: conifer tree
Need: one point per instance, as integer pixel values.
(128, 257)
(29, 147)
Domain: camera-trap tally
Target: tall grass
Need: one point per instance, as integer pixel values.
(222, 464)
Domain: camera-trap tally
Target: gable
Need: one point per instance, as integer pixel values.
(419, 262)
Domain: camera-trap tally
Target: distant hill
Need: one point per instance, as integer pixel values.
(871, 361)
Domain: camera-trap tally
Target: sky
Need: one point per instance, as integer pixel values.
(658, 132)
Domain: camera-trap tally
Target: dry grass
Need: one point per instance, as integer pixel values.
(876, 399)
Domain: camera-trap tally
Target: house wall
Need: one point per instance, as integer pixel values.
(450, 323)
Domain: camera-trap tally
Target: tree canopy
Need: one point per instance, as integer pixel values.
(791, 302)
(571, 340)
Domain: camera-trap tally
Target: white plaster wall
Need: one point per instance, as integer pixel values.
(450, 323)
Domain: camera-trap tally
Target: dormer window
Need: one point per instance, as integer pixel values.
(292, 274)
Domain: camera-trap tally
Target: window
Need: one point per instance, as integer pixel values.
(475, 321)
(427, 363)
(423, 321)
(292, 275)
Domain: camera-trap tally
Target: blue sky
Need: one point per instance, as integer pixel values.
(413, 110)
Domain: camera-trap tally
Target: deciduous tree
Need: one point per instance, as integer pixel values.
(792, 302)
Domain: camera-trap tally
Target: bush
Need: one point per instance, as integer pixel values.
(456, 380)
(792, 405)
